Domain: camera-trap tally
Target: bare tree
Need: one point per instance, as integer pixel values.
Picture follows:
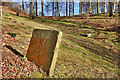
(69, 7)
(17, 8)
(114, 7)
(62, 7)
(48, 7)
(93, 7)
(111, 6)
(73, 7)
(36, 8)
(118, 33)
(80, 7)
(88, 11)
(119, 8)
(42, 8)
(104, 6)
(66, 7)
(33, 10)
(26, 7)
(23, 5)
(31, 6)
(53, 8)
(58, 8)
(89, 6)
(86, 6)
(97, 6)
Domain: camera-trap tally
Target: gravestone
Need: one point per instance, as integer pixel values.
(43, 49)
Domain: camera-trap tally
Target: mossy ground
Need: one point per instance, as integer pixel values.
(79, 57)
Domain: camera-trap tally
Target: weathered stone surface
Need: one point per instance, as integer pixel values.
(43, 49)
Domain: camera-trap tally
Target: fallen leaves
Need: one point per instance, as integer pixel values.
(14, 66)
(17, 68)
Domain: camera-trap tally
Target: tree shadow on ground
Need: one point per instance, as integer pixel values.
(14, 51)
(102, 18)
(107, 54)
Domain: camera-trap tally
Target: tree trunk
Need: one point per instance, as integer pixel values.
(118, 31)
(89, 7)
(111, 5)
(88, 11)
(17, 13)
(119, 8)
(80, 7)
(33, 11)
(58, 8)
(23, 5)
(73, 8)
(93, 7)
(97, 6)
(53, 8)
(119, 19)
(86, 6)
(30, 8)
(42, 7)
(66, 7)
(33, 17)
(36, 8)
(119, 14)
(104, 7)
(69, 7)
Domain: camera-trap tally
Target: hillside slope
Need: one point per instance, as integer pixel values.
(79, 56)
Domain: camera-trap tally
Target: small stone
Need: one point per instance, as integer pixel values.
(88, 35)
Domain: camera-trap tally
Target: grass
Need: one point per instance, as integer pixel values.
(79, 57)
(36, 75)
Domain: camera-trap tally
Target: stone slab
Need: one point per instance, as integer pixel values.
(43, 49)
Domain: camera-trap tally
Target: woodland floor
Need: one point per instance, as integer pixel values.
(79, 57)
